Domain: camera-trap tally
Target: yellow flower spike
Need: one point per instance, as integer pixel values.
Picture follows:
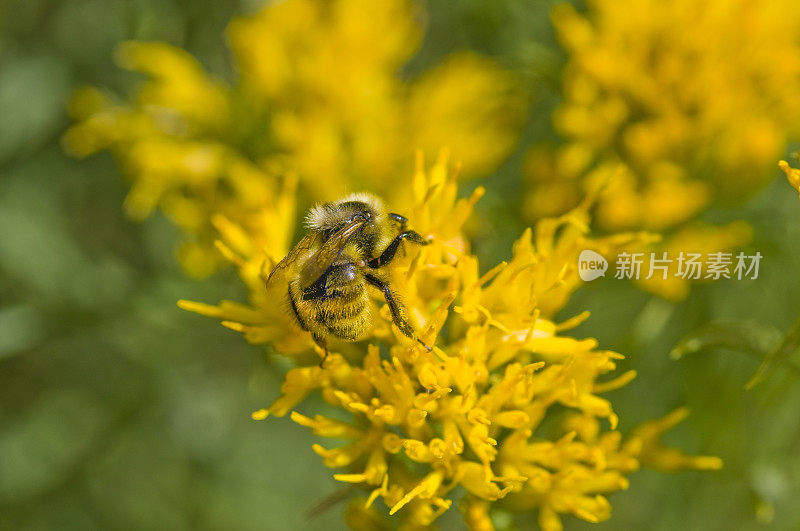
(261, 414)
(645, 445)
(478, 416)
(296, 386)
(375, 471)
(177, 80)
(511, 419)
(468, 399)
(596, 406)
(437, 320)
(234, 235)
(517, 480)
(792, 174)
(462, 372)
(350, 478)
(574, 395)
(531, 368)
(592, 510)
(452, 435)
(239, 327)
(418, 451)
(572, 322)
(490, 321)
(208, 309)
(416, 418)
(428, 401)
(229, 255)
(392, 443)
(438, 352)
(480, 442)
(343, 456)
(380, 491)
(377, 465)
(549, 520)
(473, 476)
(355, 406)
(620, 381)
(325, 427)
(427, 376)
(426, 489)
(439, 448)
(540, 481)
(388, 414)
(586, 426)
(476, 514)
(607, 482)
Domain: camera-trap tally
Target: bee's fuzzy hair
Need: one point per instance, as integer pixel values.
(329, 215)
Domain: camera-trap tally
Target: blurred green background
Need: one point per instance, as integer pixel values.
(120, 411)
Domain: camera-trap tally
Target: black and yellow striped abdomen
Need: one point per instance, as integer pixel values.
(337, 304)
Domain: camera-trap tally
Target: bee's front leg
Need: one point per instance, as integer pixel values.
(388, 254)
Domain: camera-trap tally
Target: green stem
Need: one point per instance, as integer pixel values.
(789, 344)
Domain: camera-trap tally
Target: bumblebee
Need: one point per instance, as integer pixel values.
(349, 242)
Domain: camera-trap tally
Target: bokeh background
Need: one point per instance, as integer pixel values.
(120, 411)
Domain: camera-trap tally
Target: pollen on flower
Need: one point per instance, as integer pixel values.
(471, 412)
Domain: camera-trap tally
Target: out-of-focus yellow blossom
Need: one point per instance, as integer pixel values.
(692, 100)
(262, 321)
(319, 93)
(711, 105)
(477, 411)
(792, 174)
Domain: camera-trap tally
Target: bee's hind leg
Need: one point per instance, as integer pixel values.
(394, 308)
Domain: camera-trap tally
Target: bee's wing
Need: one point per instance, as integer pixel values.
(317, 264)
(303, 245)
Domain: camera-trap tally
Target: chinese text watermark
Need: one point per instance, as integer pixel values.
(684, 265)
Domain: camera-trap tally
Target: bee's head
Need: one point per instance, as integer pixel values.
(329, 218)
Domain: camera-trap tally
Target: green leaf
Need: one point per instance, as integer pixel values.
(750, 337)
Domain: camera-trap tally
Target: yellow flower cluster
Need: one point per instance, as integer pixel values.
(483, 410)
(671, 104)
(319, 93)
(691, 113)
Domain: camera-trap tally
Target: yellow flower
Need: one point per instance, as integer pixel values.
(669, 119)
(792, 174)
(472, 412)
(319, 93)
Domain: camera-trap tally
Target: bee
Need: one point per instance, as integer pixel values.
(328, 273)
